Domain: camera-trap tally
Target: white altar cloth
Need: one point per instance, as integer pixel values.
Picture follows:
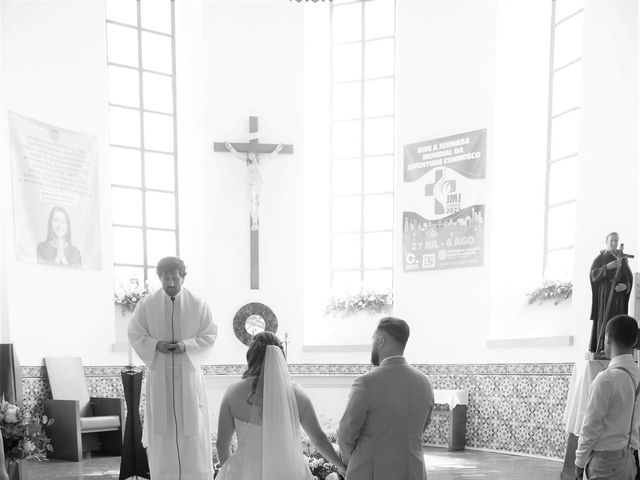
(584, 373)
(451, 397)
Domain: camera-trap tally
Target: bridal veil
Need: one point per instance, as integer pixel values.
(278, 443)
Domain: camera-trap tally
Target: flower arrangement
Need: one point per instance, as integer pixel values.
(129, 295)
(320, 468)
(23, 437)
(551, 290)
(363, 301)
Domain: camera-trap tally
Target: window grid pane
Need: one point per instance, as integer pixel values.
(563, 138)
(565, 8)
(567, 44)
(346, 23)
(142, 245)
(566, 88)
(122, 45)
(362, 144)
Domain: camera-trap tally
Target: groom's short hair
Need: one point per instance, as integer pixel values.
(623, 329)
(397, 328)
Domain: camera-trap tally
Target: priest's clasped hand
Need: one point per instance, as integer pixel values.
(170, 347)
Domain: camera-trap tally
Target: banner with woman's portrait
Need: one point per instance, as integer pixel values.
(55, 194)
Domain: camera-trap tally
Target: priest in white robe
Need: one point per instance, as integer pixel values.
(172, 331)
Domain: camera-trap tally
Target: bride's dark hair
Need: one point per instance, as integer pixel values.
(255, 358)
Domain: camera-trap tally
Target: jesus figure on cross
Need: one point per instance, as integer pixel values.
(255, 179)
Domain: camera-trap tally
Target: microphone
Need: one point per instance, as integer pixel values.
(173, 299)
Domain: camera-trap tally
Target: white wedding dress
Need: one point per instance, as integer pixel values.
(281, 457)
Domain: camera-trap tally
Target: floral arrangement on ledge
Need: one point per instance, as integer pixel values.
(129, 295)
(555, 290)
(23, 437)
(364, 301)
(319, 466)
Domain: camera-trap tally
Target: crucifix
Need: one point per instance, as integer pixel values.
(253, 149)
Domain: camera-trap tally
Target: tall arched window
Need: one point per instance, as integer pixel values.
(563, 137)
(142, 111)
(362, 143)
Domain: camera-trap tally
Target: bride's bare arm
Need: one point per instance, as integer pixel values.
(309, 421)
(226, 427)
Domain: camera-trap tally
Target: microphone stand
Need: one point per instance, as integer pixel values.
(620, 255)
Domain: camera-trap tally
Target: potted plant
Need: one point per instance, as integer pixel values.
(23, 438)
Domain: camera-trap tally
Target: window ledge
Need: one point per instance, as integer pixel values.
(335, 348)
(535, 342)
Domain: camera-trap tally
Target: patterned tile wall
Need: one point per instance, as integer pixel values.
(512, 407)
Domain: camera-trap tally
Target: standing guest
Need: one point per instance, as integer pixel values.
(172, 331)
(611, 424)
(603, 270)
(380, 434)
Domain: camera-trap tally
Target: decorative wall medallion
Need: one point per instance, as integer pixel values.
(252, 319)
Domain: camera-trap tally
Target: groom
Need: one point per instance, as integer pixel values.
(380, 434)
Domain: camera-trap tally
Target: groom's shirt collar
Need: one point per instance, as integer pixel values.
(393, 359)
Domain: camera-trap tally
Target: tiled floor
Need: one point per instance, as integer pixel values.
(441, 465)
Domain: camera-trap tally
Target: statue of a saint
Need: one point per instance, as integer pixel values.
(611, 281)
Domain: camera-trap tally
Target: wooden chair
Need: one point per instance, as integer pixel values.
(81, 423)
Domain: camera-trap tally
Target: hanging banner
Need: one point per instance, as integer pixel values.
(444, 211)
(55, 194)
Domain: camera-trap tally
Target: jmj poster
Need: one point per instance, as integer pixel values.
(444, 209)
(55, 194)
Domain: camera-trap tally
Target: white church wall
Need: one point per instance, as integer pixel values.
(493, 303)
(48, 73)
(460, 66)
(261, 75)
(445, 74)
(608, 175)
(495, 56)
(191, 152)
(518, 189)
(4, 199)
(317, 200)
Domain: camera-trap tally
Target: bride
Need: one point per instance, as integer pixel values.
(266, 405)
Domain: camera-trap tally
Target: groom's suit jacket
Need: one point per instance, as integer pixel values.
(380, 434)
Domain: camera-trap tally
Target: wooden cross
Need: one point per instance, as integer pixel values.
(253, 149)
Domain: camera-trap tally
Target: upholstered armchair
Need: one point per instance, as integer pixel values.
(81, 423)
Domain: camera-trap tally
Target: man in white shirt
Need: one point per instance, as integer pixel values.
(611, 425)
